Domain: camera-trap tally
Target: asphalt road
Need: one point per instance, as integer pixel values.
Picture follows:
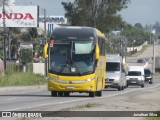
(38, 98)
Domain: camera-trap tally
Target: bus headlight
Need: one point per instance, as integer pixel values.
(90, 79)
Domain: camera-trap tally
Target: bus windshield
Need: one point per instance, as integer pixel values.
(72, 58)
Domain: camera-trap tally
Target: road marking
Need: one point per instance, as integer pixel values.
(71, 101)
(11, 98)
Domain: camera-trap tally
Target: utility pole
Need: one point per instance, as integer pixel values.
(45, 33)
(45, 30)
(153, 59)
(150, 34)
(4, 35)
(153, 64)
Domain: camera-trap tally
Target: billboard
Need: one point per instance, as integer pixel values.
(51, 22)
(20, 16)
(54, 19)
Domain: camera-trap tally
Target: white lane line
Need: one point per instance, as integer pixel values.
(71, 101)
(11, 98)
(15, 98)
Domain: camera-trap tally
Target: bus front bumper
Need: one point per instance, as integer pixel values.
(71, 87)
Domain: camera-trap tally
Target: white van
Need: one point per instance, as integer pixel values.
(115, 75)
(135, 76)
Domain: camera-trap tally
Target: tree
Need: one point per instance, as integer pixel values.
(134, 33)
(138, 25)
(33, 32)
(101, 14)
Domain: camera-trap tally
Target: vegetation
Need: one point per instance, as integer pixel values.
(136, 34)
(26, 55)
(101, 14)
(22, 79)
(15, 77)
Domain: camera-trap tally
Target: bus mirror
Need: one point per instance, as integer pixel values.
(97, 52)
(45, 50)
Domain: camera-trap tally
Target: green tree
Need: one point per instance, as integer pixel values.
(134, 33)
(33, 32)
(101, 14)
(138, 25)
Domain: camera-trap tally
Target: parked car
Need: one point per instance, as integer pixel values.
(148, 76)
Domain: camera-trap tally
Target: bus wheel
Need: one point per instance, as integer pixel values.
(53, 93)
(92, 94)
(66, 94)
(99, 93)
(60, 93)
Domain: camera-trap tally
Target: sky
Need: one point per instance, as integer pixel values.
(142, 11)
(138, 11)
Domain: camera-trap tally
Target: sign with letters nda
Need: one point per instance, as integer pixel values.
(19, 16)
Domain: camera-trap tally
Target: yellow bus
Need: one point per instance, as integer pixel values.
(76, 61)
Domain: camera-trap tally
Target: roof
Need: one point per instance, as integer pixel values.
(113, 58)
(64, 32)
(134, 68)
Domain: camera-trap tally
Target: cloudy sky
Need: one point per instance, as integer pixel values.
(138, 11)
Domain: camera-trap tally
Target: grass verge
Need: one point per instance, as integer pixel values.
(14, 77)
(22, 79)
